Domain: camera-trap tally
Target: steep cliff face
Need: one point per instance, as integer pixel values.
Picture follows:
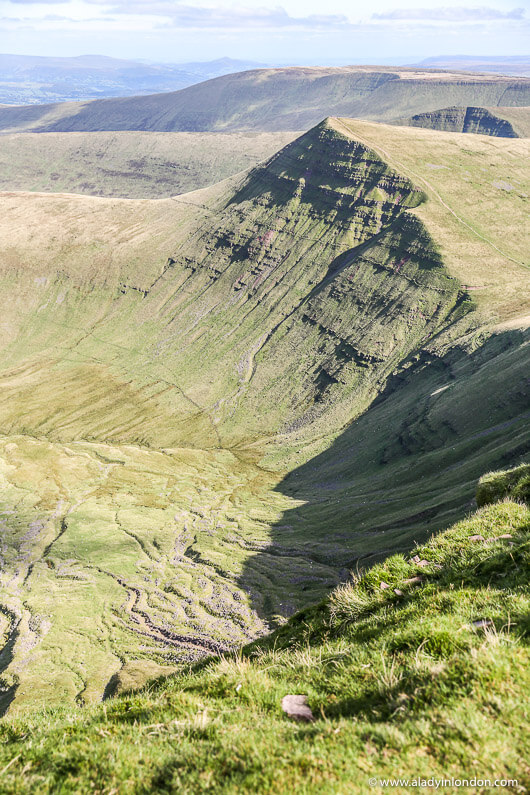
(311, 250)
(482, 121)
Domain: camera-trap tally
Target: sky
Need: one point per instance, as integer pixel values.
(267, 31)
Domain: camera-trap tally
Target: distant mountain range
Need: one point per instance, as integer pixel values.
(498, 64)
(30, 79)
(34, 80)
(293, 98)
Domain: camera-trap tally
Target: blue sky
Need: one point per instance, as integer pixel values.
(292, 31)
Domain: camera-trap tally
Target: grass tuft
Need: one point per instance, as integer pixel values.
(513, 483)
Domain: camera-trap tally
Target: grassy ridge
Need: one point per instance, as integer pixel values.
(417, 668)
(210, 333)
(477, 191)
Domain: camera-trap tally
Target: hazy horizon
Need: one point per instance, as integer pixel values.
(398, 60)
(169, 31)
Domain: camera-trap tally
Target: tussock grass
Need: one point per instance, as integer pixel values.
(513, 482)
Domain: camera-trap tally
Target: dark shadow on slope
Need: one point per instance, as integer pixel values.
(7, 690)
(111, 688)
(406, 468)
(465, 120)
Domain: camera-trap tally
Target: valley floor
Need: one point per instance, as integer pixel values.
(119, 563)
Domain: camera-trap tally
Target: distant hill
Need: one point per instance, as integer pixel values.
(291, 98)
(501, 64)
(500, 122)
(30, 79)
(130, 164)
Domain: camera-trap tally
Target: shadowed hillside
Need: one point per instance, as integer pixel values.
(294, 98)
(213, 405)
(404, 469)
(503, 122)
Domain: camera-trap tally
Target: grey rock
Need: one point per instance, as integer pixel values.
(296, 707)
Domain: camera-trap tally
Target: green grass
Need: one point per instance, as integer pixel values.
(513, 482)
(119, 563)
(135, 165)
(406, 677)
(477, 189)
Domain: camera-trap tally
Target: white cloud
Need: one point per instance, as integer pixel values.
(296, 29)
(38, 2)
(175, 14)
(221, 16)
(451, 14)
(197, 17)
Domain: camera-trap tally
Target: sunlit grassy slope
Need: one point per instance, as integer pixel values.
(478, 190)
(214, 406)
(417, 669)
(129, 164)
(519, 118)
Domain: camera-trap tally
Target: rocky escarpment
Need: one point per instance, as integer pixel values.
(483, 121)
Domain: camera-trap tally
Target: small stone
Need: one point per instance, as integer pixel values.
(384, 585)
(482, 623)
(415, 559)
(476, 538)
(423, 563)
(296, 707)
(412, 581)
(505, 535)
(398, 592)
